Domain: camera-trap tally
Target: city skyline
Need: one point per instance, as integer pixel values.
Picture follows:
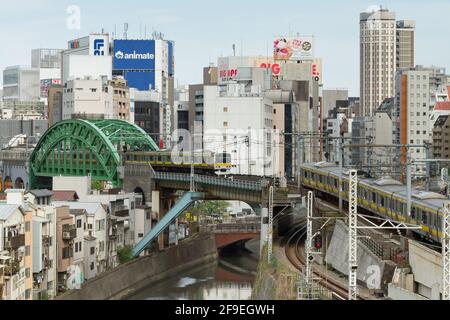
(181, 22)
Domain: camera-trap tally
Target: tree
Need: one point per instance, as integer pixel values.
(211, 208)
(125, 254)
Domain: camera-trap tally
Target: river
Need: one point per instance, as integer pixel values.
(229, 278)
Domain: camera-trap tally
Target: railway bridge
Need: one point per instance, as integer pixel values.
(95, 148)
(232, 233)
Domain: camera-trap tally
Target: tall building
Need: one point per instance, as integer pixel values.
(417, 92)
(149, 65)
(406, 44)
(48, 61)
(121, 99)
(21, 83)
(55, 104)
(87, 57)
(377, 58)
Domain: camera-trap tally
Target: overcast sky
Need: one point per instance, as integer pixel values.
(205, 29)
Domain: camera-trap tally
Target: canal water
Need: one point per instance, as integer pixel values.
(229, 278)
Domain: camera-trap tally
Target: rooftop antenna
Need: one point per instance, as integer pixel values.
(115, 31)
(140, 31)
(145, 32)
(234, 50)
(125, 31)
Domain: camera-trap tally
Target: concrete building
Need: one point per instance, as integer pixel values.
(230, 117)
(21, 83)
(377, 58)
(121, 99)
(24, 110)
(441, 138)
(87, 57)
(48, 61)
(147, 112)
(12, 249)
(55, 104)
(331, 99)
(88, 99)
(406, 44)
(417, 92)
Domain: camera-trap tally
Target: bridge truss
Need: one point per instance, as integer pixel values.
(86, 148)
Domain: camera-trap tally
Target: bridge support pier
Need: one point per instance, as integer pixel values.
(157, 207)
(264, 227)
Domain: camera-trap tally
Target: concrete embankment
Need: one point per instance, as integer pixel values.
(274, 281)
(129, 278)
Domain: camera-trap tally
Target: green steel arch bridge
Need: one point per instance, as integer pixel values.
(86, 147)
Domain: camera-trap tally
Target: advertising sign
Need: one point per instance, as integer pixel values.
(45, 84)
(98, 45)
(134, 54)
(228, 67)
(140, 80)
(293, 49)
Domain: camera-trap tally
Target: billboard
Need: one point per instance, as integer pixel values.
(140, 80)
(228, 67)
(98, 45)
(47, 83)
(293, 49)
(134, 54)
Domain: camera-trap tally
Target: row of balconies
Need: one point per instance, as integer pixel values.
(15, 242)
(69, 232)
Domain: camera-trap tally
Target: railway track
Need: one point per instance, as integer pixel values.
(293, 243)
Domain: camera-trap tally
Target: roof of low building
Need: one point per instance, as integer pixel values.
(78, 212)
(41, 193)
(6, 210)
(64, 196)
(442, 105)
(90, 207)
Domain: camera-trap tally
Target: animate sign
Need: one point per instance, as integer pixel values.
(134, 54)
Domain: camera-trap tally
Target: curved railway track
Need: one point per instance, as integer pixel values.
(293, 243)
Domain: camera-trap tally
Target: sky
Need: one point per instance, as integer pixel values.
(204, 30)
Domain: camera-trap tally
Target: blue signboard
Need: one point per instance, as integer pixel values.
(171, 58)
(140, 80)
(134, 54)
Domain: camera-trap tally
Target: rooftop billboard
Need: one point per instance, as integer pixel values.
(134, 54)
(293, 49)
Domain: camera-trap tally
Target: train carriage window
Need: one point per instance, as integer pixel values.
(305, 174)
(424, 218)
(438, 221)
(382, 201)
(374, 197)
(403, 209)
(413, 212)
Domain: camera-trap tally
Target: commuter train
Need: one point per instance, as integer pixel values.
(204, 162)
(384, 197)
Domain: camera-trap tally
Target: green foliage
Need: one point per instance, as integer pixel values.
(125, 254)
(45, 296)
(96, 185)
(211, 208)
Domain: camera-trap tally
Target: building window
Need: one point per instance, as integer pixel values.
(27, 294)
(140, 235)
(101, 246)
(27, 251)
(225, 109)
(27, 226)
(92, 266)
(67, 253)
(148, 215)
(92, 250)
(79, 223)
(225, 124)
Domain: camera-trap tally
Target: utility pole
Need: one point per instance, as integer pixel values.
(446, 253)
(192, 180)
(270, 233)
(341, 168)
(408, 183)
(353, 229)
(309, 239)
(427, 166)
(299, 161)
(353, 232)
(249, 145)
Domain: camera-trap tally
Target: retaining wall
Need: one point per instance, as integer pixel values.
(133, 276)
